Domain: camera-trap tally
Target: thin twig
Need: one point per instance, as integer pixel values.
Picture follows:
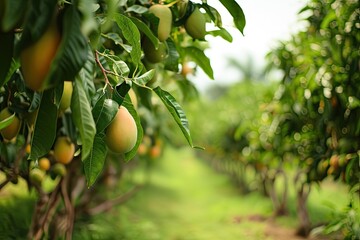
(108, 205)
(103, 70)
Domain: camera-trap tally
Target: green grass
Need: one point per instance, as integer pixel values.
(16, 208)
(183, 200)
(187, 200)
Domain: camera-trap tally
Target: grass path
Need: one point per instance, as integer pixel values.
(186, 200)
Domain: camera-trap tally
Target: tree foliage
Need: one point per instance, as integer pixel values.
(102, 53)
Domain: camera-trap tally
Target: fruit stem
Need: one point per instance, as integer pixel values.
(172, 3)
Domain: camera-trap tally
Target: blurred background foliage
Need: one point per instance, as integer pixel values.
(297, 131)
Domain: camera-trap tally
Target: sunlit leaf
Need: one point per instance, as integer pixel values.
(146, 30)
(131, 34)
(222, 32)
(236, 12)
(145, 78)
(198, 56)
(176, 111)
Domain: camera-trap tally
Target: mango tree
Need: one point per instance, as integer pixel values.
(320, 97)
(81, 82)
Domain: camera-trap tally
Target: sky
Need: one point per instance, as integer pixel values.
(267, 22)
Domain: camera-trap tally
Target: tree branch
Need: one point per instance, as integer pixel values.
(108, 205)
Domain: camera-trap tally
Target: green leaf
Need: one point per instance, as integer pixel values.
(104, 112)
(146, 30)
(13, 67)
(198, 56)
(87, 75)
(137, 9)
(73, 50)
(118, 41)
(214, 14)
(13, 13)
(7, 121)
(222, 32)
(87, 9)
(82, 117)
(145, 78)
(35, 102)
(127, 103)
(6, 49)
(172, 60)
(45, 126)
(176, 111)
(236, 12)
(94, 163)
(121, 92)
(131, 34)
(118, 66)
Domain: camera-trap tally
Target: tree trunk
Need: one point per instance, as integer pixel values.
(303, 214)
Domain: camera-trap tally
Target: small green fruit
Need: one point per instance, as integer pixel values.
(152, 54)
(165, 19)
(37, 176)
(59, 169)
(195, 24)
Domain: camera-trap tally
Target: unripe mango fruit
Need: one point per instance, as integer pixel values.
(36, 59)
(165, 20)
(152, 54)
(121, 134)
(12, 130)
(36, 176)
(64, 150)
(66, 96)
(195, 24)
(59, 169)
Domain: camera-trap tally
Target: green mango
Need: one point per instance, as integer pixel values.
(152, 54)
(165, 20)
(195, 24)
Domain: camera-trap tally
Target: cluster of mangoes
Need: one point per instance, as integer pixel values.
(194, 25)
(36, 61)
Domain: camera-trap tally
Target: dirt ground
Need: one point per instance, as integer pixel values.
(275, 231)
